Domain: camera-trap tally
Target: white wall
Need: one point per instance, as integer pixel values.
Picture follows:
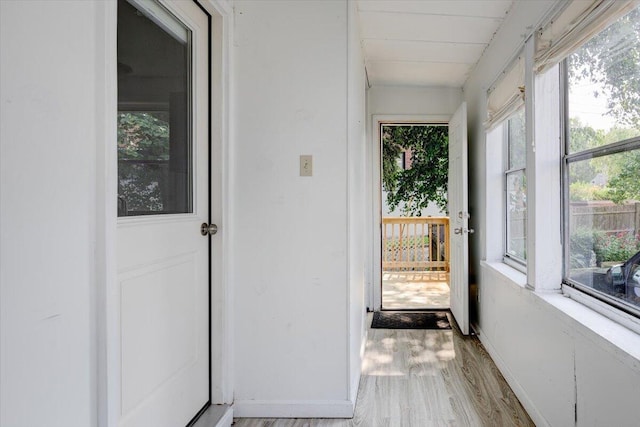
(567, 364)
(356, 122)
(420, 101)
(295, 236)
(297, 268)
(52, 101)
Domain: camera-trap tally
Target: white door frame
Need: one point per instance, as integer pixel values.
(374, 294)
(221, 292)
(107, 293)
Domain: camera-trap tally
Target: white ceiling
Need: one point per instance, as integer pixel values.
(426, 42)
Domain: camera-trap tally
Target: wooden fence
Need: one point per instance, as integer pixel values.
(605, 216)
(415, 244)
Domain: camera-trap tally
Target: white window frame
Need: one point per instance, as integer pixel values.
(631, 144)
(516, 262)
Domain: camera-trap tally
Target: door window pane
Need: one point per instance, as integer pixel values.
(154, 112)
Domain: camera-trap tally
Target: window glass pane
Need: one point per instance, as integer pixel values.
(154, 113)
(517, 141)
(604, 86)
(517, 215)
(603, 214)
(604, 230)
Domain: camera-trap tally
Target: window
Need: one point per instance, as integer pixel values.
(515, 179)
(155, 173)
(602, 165)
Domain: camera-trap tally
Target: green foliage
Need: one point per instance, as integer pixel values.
(427, 178)
(625, 184)
(612, 58)
(143, 135)
(584, 137)
(581, 244)
(589, 247)
(406, 242)
(584, 191)
(143, 153)
(621, 169)
(616, 247)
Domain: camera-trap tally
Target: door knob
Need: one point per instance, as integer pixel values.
(208, 229)
(463, 230)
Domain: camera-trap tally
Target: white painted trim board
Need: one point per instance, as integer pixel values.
(294, 408)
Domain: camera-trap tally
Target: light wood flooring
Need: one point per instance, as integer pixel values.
(415, 290)
(421, 378)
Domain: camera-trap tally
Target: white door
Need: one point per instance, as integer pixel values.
(163, 198)
(459, 218)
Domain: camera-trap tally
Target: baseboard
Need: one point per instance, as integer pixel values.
(293, 408)
(215, 416)
(227, 418)
(520, 393)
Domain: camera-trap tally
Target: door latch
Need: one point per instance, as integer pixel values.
(463, 230)
(208, 229)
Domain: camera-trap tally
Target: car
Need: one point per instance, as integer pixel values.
(625, 278)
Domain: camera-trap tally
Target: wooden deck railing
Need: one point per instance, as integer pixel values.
(415, 244)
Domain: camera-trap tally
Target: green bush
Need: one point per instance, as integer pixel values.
(617, 247)
(585, 191)
(589, 248)
(582, 246)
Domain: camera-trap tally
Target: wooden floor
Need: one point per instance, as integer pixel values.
(415, 290)
(418, 378)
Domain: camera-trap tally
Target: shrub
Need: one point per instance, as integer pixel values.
(582, 248)
(616, 247)
(585, 191)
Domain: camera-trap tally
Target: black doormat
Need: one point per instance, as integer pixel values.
(403, 320)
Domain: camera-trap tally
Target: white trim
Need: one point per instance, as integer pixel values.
(294, 408)
(514, 276)
(519, 391)
(609, 311)
(515, 264)
(221, 152)
(108, 304)
(376, 198)
(621, 342)
(227, 418)
(544, 203)
(162, 18)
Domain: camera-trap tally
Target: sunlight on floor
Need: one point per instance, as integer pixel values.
(384, 357)
(415, 290)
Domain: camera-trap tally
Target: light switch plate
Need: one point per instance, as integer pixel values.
(306, 165)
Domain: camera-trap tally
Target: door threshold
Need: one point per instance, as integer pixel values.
(214, 416)
(418, 310)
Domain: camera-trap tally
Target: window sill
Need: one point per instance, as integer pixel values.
(595, 326)
(512, 274)
(619, 334)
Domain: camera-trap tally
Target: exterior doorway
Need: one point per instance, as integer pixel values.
(414, 236)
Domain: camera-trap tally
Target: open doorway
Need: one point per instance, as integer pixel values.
(415, 223)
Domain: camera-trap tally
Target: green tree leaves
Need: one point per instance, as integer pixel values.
(619, 171)
(612, 58)
(143, 154)
(426, 179)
